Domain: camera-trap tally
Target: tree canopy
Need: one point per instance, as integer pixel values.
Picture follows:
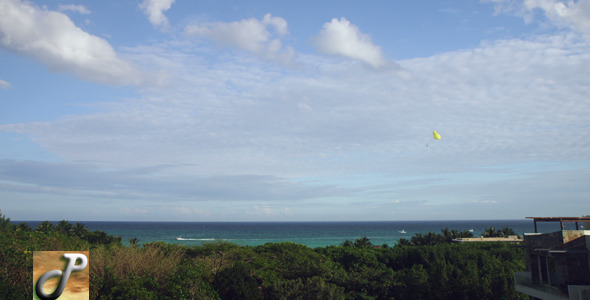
(428, 266)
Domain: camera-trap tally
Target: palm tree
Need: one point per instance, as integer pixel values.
(347, 243)
(450, 235)
(5, 223)
(363, 242)
(133, 242)
(64, 227)
(464, 234)
(45, 226)
(491, 232)
(506, 232)
(79, 229)
(23, 227)
(404, 242)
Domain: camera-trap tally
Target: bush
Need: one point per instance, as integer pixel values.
(237, 282)
(189, 282)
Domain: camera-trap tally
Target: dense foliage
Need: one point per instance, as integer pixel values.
(431, 238)
(17, 243)
(428, 266)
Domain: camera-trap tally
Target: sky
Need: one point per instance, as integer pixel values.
(175, 110)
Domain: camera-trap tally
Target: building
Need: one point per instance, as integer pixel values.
(509, 239)
(558, 263)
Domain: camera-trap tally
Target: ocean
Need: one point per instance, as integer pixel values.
(312, 234)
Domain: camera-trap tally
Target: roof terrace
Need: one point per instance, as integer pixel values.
(561, 220)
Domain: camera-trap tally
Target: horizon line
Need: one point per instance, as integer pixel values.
(291, 221)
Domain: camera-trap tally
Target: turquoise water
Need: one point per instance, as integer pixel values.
(312, 234)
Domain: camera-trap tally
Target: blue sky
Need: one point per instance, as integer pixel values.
(163, 110)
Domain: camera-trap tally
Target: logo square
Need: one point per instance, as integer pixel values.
(61, 275)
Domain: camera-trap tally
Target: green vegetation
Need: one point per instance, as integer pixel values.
(493, 232)
(17, 243)
(431, 238)
(428, 266)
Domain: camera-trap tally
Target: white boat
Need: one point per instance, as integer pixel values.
(402, 231)
(178, 238)
(470, 230)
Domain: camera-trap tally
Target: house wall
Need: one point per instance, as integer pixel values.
(555, 268)
(570, 235)
(542, 240)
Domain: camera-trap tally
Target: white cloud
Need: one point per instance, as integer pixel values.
(81, 9)
(252, 35)
(564, 13)
(4, 84)
(569, 14)
(340, 37)
(154, 9)
(52, 38)
(278, 23)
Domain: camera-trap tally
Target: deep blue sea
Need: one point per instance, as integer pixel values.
(312, 234)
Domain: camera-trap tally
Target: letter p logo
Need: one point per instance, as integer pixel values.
(76, 262)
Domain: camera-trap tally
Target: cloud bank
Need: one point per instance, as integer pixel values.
(232, 138)
(242, 116)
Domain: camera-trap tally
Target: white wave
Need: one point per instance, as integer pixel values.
(189, 239)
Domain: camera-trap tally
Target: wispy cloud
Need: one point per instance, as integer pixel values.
(81, 9)
(266, 210)
(4, 84)
(53, 39)
(151, 184)
(573, 14)
(261, 37)
(565, 14)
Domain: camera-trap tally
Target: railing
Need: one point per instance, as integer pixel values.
(524, 284)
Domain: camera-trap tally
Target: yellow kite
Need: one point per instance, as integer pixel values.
(436, 135)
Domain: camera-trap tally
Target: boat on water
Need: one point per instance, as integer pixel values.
(178, 238)
(402, 231)
(471, 230)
